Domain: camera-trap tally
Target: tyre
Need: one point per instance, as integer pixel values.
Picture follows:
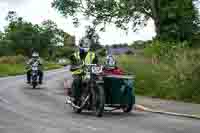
(99, 100)
(34, 86)
(128, 108)
(34, 81)
(76, 81)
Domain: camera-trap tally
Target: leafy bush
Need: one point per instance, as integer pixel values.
(51, 65)
(186, 73)
(12, 59)
(102, 52)
(176, 77)
(129, 52)
(5, 48)
(64, 52)
(164, 51)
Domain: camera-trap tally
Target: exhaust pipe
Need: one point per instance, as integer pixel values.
(69, 101)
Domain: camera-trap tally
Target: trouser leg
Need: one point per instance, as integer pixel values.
(76, 86)
(28, 76)
(40, 76)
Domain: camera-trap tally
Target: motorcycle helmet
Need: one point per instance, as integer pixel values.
(35, 55)
(84, 45)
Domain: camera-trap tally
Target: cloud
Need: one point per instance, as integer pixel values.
(14, 2)
(37, 11)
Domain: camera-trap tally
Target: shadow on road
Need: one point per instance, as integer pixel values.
(29, 87)
(113, 115)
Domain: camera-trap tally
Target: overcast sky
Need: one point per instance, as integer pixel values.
(38, 10)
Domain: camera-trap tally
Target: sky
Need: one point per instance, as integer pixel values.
(37, 11)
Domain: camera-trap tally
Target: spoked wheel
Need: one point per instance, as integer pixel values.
(99, 100)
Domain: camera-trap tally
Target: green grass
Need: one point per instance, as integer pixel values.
(161, 80)
(14, 65)
(51, 65)
(17, 69)
(11, 69)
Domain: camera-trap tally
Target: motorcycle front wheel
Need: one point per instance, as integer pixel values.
(34, 84)
(77, 102)
(99, 100)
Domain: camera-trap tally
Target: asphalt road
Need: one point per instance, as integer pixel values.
(43, 110)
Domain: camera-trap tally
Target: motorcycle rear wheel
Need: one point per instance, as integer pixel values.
(77, 102)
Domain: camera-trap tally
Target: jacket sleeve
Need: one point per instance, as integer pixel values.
(29, 62)
(40, 61)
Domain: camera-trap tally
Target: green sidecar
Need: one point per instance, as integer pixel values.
(119, 92)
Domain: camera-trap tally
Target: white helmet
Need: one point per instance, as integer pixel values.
(35, 54)
(110, 61)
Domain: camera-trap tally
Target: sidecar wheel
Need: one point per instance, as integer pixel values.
(128, 108)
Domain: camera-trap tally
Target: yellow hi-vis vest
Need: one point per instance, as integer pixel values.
(78, 62)
(88, 60)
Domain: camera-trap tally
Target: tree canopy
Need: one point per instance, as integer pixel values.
(92, 35)
(22, 37)
(177, 19)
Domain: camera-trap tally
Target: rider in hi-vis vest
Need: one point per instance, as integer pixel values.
(83, 56)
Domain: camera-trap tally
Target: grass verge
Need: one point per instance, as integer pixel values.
(163, 80)
(17, 69)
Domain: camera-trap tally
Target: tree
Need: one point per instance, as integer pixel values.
(180, 19)
(22, 37)
(5, 49)
(49, 31)
(56, 37)
(65, 52)
(12, 16)
(137, 12)
(69, 40)
(91, 34)
(103, 11)
(1, 35)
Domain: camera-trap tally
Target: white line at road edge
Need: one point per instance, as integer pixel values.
(142, 108)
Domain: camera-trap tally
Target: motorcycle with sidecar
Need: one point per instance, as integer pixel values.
(100, 91)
